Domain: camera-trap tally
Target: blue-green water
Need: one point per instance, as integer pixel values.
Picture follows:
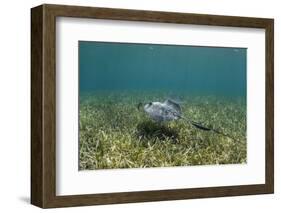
(115, 79)
(106, 66)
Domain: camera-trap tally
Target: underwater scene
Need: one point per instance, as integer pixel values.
(156, 105)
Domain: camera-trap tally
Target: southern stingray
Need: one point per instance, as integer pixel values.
(170, 110)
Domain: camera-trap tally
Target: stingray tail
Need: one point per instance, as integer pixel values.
(204, 128)
(199, 126)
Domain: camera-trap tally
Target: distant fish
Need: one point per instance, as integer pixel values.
(170, 110)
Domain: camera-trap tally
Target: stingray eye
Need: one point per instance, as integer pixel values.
(150, 103)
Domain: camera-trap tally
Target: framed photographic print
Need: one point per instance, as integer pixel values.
(136, 106)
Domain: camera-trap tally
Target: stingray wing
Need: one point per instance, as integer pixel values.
(175, 106)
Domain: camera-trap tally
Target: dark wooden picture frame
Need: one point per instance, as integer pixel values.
(43, 105)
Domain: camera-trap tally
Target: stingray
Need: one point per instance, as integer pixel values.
(170, 110)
